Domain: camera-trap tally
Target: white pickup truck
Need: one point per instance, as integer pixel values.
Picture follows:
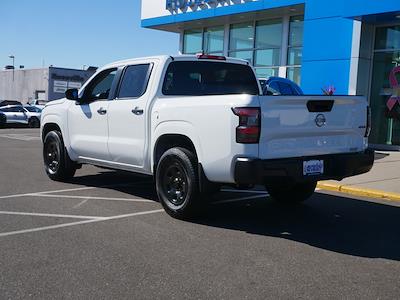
(196, 122)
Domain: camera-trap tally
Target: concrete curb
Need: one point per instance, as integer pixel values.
(358, 191)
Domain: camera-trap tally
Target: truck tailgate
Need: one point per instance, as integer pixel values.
(295, 126)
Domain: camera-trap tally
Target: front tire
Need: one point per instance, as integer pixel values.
(177, 183)
(292, 193)
(57, 163)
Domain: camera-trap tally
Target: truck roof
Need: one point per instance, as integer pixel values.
(164, 58)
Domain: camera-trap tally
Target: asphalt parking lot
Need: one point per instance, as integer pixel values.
(104, 235)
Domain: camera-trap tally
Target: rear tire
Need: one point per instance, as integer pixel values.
(3, 120)
(177, 183)
(34, 122)
(292, 193)
(57, 163)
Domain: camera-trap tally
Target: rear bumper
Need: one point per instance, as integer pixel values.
(336, 166)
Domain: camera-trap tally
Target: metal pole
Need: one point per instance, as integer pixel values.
(13, 58)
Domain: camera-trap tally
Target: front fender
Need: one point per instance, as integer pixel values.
(53, 118)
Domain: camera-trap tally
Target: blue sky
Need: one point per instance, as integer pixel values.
(74, 33)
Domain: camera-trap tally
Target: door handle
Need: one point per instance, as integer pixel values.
(137, 111)
(102, 111)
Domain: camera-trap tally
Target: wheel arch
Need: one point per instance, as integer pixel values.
(53, 122)
(49, 127)
(170, 134)
(170, 140)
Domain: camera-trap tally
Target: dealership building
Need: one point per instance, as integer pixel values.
(42, 84)
(353, 45)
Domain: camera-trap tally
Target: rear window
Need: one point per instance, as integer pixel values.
(134, 82)
(199, 78)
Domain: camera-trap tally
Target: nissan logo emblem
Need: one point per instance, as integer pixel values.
(320, 120)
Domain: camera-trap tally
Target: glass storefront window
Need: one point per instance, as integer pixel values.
(294, 56)
(296, 31)
(385, 121)
(388, 38)
(241, 36)
(266, 72)
(192, 41)
(269, 34)
(259, 42)
(267, 57)
(295, 49)
(214, 39)
(294, 74)
(246, 55)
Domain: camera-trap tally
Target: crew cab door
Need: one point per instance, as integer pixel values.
(87, 120)
(127, 117)
(16, 114)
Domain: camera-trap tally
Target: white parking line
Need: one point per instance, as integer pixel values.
(78, 223)
(45, 192)
(91, 187)
(20, 137)
(50, 215)
(93, 198)
(70, 190)
(80, 203)
(15, 196)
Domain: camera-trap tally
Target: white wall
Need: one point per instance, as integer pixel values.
(154, 8)
(24, 84)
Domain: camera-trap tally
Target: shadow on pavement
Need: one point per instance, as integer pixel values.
(340, 224)
(380, 155)
(126, 182)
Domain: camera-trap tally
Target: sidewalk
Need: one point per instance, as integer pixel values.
(383, 181)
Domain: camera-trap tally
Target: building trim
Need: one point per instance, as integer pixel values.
(355, 58)
(219, 11)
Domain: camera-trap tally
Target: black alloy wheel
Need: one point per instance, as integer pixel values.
(52, 156)
(177, 183)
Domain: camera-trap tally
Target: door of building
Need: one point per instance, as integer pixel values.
(385, 87)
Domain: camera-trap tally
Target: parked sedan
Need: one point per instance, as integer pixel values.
(18, 114)
(278, 86)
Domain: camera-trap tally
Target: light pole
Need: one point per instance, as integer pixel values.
(13, 58)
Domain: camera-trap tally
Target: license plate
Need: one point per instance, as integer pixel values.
(313, 167)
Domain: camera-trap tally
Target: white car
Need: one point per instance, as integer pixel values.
(195, 122)
(18, 114)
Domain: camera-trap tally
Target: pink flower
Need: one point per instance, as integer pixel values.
(329, 91)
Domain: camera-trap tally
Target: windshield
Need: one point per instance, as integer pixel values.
(198, 78)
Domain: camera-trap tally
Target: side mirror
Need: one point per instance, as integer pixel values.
(72, 94)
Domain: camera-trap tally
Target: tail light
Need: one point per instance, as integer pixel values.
(368, 126)
(248, 131)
